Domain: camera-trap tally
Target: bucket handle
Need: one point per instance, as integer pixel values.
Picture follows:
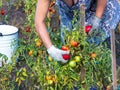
(1, 34)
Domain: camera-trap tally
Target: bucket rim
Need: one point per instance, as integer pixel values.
(6, 30)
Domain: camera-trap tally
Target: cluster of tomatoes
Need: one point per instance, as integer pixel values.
(72, 63)
(75, 44)
(38, 43)
(51, 79)
(65, 48)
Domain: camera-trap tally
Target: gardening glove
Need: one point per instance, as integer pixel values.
(57, 53)
(95, 25)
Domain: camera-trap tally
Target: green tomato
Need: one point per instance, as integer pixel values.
(77, 58)
(72, 63)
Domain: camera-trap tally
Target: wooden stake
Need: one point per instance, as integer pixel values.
(113, 51)
(82, 16)
(82, 27)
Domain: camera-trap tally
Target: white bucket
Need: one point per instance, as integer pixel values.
(8, 41)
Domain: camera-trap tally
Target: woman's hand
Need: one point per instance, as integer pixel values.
(95, 24)
(101, 4)
(57, 53)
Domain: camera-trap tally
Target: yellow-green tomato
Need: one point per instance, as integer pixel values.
(50, 82)
(77, 58)
(50, 58)
(72, 63)
(47, 72)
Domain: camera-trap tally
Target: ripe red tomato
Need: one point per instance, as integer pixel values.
(65, 48)
(50, 9)
(74, 43)
(2, 11)
(87, 28)
(28, 29)
(66, 56)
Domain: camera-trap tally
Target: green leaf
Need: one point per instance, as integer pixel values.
(83, 82)
(17, 79)
(24, 69)
(18, 73)
(1, 55)
(24, 74)
(21, 78)
(19, 82)
(5, 58)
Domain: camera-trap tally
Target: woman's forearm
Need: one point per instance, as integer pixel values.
(40, 16)
(42, 31)
(101, 4)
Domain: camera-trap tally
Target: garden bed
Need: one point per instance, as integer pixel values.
(33, 68)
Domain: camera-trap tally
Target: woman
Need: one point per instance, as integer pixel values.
(66, 10)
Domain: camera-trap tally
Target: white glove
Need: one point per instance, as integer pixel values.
(95, 24)
(56, 53)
